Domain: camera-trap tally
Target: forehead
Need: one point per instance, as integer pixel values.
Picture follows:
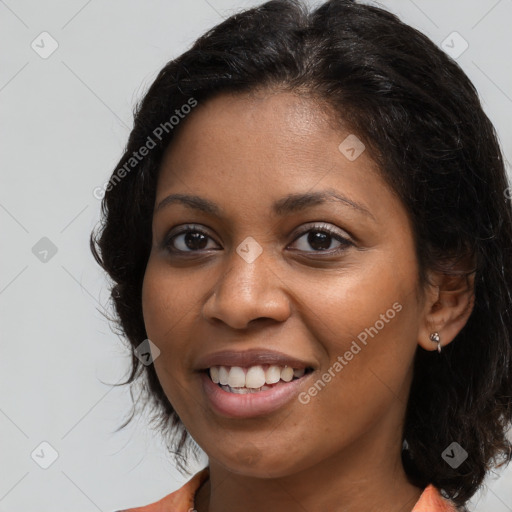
(245, 152)
(263, 135)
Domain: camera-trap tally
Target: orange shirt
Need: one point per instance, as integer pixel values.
(182, 500)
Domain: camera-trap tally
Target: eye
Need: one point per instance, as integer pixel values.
(321, 238)
(188, 239)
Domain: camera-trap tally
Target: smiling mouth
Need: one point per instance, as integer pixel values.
(253, 379)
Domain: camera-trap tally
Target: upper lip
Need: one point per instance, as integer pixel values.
(250, 357)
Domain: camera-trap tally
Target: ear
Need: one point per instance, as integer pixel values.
(448, 304)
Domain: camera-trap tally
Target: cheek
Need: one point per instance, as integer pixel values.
(163, 304)
(169, 313)
(363, 381)
(374, 291)
(367, 322)
(167, 297)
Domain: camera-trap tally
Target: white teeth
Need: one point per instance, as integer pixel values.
(273, 375)
(236, 378)
(255, 377)
(244, 391)
(214, 374)
(287, 373)
(223, 375)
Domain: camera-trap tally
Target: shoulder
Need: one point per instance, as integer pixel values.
(181, 500)
(432, 501)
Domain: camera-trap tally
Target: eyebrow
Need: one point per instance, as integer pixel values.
(289, 204)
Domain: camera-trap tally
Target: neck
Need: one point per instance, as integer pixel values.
(362, 478)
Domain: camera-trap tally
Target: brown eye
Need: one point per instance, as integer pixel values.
(189, 239)
(321, 239)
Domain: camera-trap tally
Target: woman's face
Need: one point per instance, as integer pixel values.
(257, 273)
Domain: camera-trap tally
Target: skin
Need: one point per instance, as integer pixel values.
(340, 451)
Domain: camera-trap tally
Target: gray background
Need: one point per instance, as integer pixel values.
(65, 120)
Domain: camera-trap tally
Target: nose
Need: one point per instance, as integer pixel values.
(247, 292)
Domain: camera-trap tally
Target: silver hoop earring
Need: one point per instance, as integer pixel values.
(436, 339)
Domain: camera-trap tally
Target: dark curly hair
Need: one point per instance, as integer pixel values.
(424, 126)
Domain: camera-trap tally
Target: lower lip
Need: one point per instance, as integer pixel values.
(234, 405)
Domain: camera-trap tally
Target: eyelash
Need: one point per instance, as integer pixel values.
(321, 228)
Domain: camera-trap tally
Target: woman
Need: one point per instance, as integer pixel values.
(310, 248)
